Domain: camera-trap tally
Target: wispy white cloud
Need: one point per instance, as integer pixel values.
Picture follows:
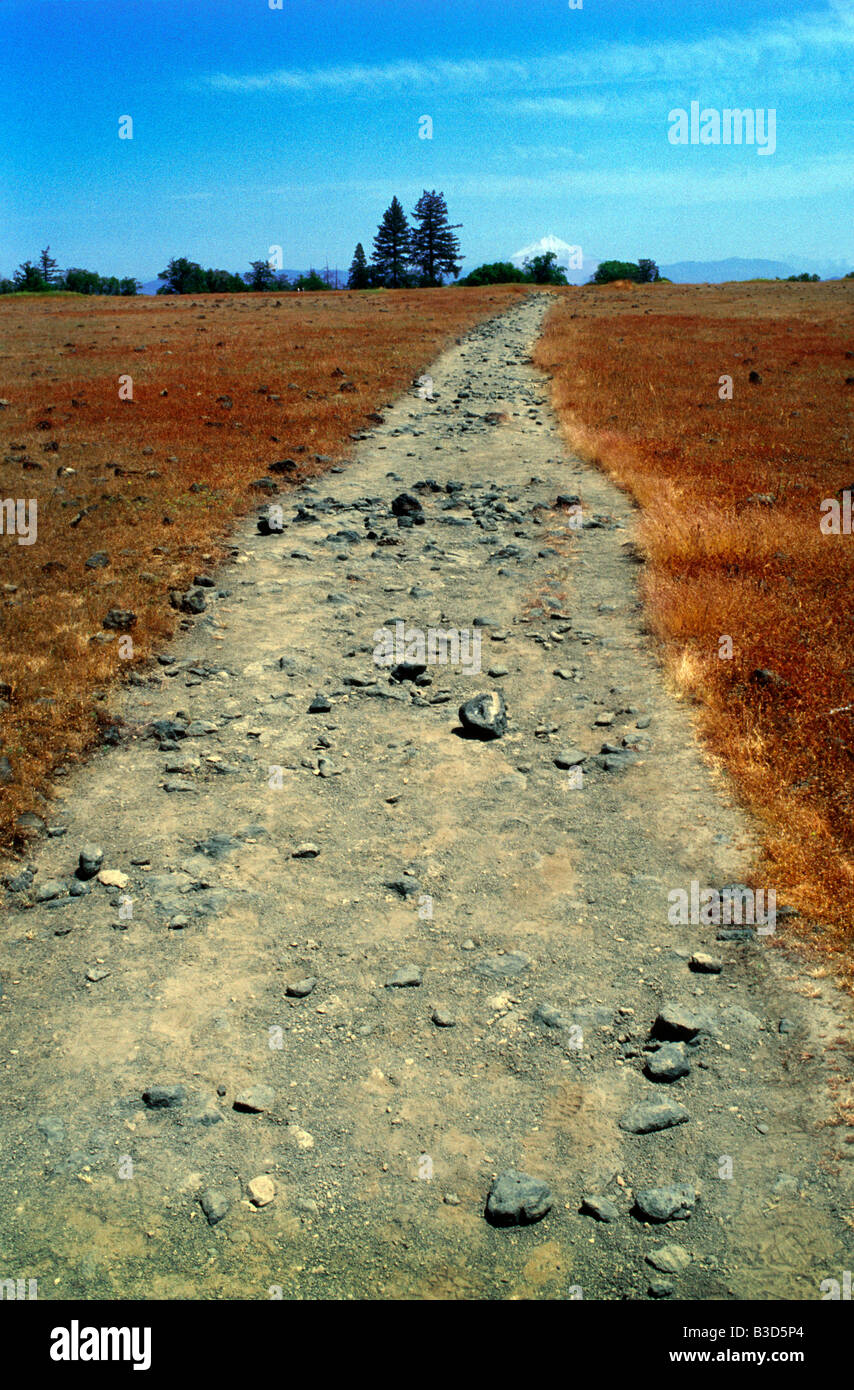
(770, 49)
(693, 177)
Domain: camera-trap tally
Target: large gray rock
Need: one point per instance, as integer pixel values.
(485, 716)
(673, 1203)
(515, 1199)
(650, 1115)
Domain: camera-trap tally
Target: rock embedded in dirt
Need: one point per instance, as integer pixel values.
(660, 1204)
(406, 976)
(670, 1259)
(320, 704)
(676, 1023)
(307, 850)
(485, 716)
(255, 1100)
(668, 1063)
(549, 1017)
(113, 878)
(164, 1097)
(90, 862)
(660, 1288)
(119, 620)
(443, 1019)
(262, 1190)
(600, 1207)
(302, 988)
(52, 1128)
(215, 1205)
(649, 1116)
(406, 505)
(50, 889)
(569, 757)
(515, 1199)
(704, 964)
(501, 966)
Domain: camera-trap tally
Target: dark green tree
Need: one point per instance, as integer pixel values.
(616, 270)
(359, 276)
(48, 266)
(81, 281)
(312, 281)
(182, 277)
(129, 286)
(544, 270)
(649, 273)
(260, 276)
(497, 273)
(223, 282)
(392, 246)
(435, 251)
(29, 277)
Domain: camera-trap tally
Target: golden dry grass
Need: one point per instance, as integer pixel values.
(222, 388)
(636, 383)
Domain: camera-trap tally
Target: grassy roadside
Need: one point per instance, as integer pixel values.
(222, 388)
(730, 493)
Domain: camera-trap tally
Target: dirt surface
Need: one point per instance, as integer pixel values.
(532, 904)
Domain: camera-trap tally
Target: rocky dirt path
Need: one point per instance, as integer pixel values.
(374, 964)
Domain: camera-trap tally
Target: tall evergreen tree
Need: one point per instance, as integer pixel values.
(359, 278)
(48, 266)
(435, 249)
(392, 246)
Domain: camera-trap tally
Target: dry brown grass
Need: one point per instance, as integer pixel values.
(222, 388)
(636, 386)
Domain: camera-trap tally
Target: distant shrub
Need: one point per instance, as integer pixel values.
(496, 273)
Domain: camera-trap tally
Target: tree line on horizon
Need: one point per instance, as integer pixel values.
(405, 256)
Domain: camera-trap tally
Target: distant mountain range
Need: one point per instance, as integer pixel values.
(736, 268)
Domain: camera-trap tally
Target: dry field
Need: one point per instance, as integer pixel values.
(223, 389)
(730, 492)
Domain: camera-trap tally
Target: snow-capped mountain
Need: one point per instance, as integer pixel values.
(578, 266)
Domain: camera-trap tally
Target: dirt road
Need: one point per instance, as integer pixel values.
(476, 932)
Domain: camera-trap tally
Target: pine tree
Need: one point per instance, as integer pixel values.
(392, 246)
(435, 249)
(48, 266)
(359, 278)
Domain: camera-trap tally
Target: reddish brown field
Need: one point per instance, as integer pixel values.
(222, 388)
(636, 382)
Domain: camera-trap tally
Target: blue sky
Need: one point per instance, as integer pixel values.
(256, 127)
